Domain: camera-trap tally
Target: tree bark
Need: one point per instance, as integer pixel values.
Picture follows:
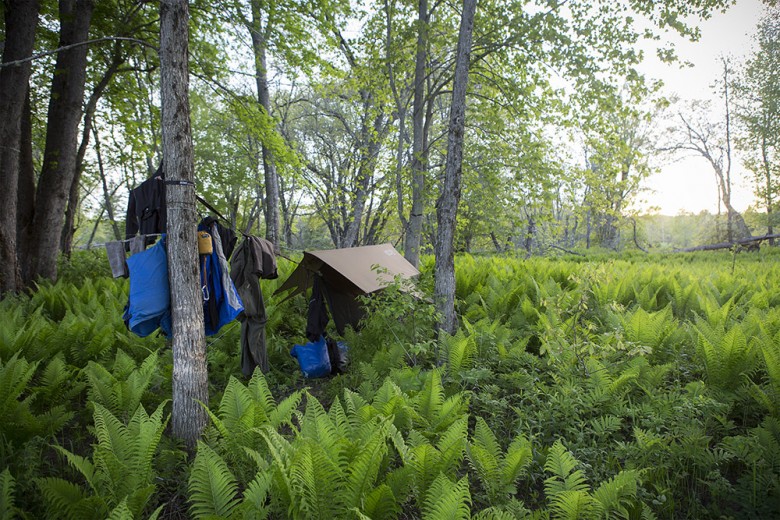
(419, 165)
(768, 202)
(447, 206)
(190, 375)
(59, 159)
(264, 98)
(25, 199)
(21, 17)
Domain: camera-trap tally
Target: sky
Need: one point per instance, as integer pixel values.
(688, 184)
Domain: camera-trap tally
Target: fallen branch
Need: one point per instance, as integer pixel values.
(566, 250)
(727, 245)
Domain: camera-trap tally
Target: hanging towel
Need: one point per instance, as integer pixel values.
(116, 259)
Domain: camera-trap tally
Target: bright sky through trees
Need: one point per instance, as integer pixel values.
(689, 184)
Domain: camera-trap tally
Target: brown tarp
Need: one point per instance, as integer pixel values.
(348, 273)
(358, 270)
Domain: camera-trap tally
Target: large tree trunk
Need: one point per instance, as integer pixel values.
(21, 17)
(190, 375)
(419, 165)
(447, 211)
(263, 97)
(59, 160)
(25, 200)
(74, 201)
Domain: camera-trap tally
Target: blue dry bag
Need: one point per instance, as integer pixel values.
(312, 358)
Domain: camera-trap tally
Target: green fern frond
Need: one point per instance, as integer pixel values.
(424, 461)
(518, 457)
(450, 411)
(381, 504)
(616, 494)
(315, 479)
(235, 406)
(81, 464)
(573, 505)
(67, 500)
(770, 350)
(452, 445)
(7, 490)
(121, 512)
(282, 414)
(15, 374)
(317, 425)
(261, 394)
(484, 454)
(429, 401)
(280, 450)
(364, 468)
(494, 513)
(446, 500)
(146, 432)
(486, 439)
(213, 488)
(255, 499)
(461, 351)
(561, 463)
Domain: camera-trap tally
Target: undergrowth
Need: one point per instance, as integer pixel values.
(633, 387)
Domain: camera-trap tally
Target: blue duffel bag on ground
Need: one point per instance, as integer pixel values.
(313, 358)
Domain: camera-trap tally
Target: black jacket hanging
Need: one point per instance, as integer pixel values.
(146, 210)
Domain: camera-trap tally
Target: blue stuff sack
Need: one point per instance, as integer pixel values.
(312, 358)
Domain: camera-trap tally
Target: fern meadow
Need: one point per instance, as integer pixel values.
(608, 387)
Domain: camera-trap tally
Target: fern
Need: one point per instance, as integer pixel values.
(120, 469)
(573, 505)
(213, 488)
(461, 350)
(121, 391)
(7, 487)
(243, 409)
(364, 468)
(446, 500)
(68, 500)
(381, 504)
(727, 356)
(497, 472)
(433, 410)
(616, 495)
(565, 477)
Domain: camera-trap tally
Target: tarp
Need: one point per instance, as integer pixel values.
(346, 274)
(358, 270)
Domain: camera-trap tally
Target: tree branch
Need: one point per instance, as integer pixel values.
(79, 44)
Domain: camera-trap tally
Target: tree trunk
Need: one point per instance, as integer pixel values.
(447, 206)
(190, 375)
(21, 17)
(371, 140)
(25, 200)
(107, 204)
(66, 240)
(768, 195)
(59, 159)
(419, 166)
(263, 97)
